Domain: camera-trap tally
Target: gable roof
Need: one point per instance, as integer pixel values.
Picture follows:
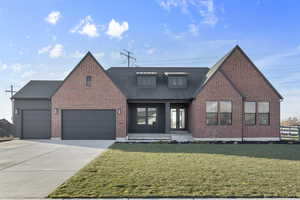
(218, 65)
(99, 65)
(125, 78)
(37, 90)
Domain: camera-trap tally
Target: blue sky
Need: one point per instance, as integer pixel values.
(46, 39)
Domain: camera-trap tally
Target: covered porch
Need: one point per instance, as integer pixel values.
(158, 120)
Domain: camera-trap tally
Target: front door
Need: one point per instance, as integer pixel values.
(178, 117)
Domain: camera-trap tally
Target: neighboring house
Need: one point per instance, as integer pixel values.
(232, 101)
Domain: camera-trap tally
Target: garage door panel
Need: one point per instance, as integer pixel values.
(36, 124)
(88, 124)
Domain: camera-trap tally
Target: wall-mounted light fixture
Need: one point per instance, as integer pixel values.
(56, 110)
(17, 111)
(119, 110)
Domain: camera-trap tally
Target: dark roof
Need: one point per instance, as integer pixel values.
(125, 79)
(37, 90)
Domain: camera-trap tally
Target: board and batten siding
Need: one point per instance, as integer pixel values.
(27, 104)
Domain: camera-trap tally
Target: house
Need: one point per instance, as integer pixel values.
(232, 101)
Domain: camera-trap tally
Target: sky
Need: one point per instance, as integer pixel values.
(44, 40)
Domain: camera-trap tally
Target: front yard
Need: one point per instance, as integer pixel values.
(189, 170)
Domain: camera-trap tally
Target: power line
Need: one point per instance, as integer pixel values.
(127, 54)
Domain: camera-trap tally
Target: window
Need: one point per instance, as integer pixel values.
(88, 81)
(146, 116)
(146, 81)
(212, 113)
(225, 114)
(177, 81)
(250, 113)
(141, 116)
(263, 113)
(151, 116)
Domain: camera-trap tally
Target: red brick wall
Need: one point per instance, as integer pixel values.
(249, 81)
(217, 89)
(102, 95)
(251, 84)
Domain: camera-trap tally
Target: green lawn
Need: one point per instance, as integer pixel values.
(189, 170)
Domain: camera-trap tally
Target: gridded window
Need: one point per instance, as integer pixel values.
(141, 116)
(225, 113)
(250, 113)
(151, 116)
(263, 113)
(146, 81)
(212, 113)
(177, 81)
(88, 81)
(146, 116)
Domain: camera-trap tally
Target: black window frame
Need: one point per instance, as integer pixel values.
(140, 81)
(260, 114)
(88, 81)
(146, 116)
(250, 114)
(171, 79)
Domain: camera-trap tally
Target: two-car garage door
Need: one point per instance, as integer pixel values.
(88, 124)
(76, 124)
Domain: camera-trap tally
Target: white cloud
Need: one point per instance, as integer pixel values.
(53, 17)
(194, 29)
(116, 29)
(151, 51)
(28, 74)
(205, 8)
(54, 51)
(207, 11)
(87, 27)
(44, 49)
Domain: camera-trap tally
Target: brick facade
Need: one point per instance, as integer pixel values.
(251, 84)
(103, 94)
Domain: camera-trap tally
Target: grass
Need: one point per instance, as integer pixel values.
(188, 170)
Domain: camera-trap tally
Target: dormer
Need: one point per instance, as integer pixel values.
(177, 79)
(146, 79)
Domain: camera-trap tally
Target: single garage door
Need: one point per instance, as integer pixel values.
(36, 124)
(88, 124)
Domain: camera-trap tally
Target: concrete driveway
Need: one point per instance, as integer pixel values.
(34, 168)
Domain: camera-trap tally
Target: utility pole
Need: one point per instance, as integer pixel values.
(11, 91)
(127, 54)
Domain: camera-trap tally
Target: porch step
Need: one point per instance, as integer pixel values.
(149, 136)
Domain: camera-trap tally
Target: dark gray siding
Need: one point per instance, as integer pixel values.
(27, 105)
(132, 119)
(88, 124)
(36, 124)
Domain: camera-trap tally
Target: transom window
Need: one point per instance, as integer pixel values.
(218, 113)
(147, 81)
(146, 116)
(88, 81)
(250, 113)
(177, 81)
(263, 113)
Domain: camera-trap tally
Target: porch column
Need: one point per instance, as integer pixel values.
(167, 117)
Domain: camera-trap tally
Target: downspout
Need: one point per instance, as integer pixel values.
(243, 120)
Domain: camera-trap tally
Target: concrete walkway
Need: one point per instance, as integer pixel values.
(34, 168)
